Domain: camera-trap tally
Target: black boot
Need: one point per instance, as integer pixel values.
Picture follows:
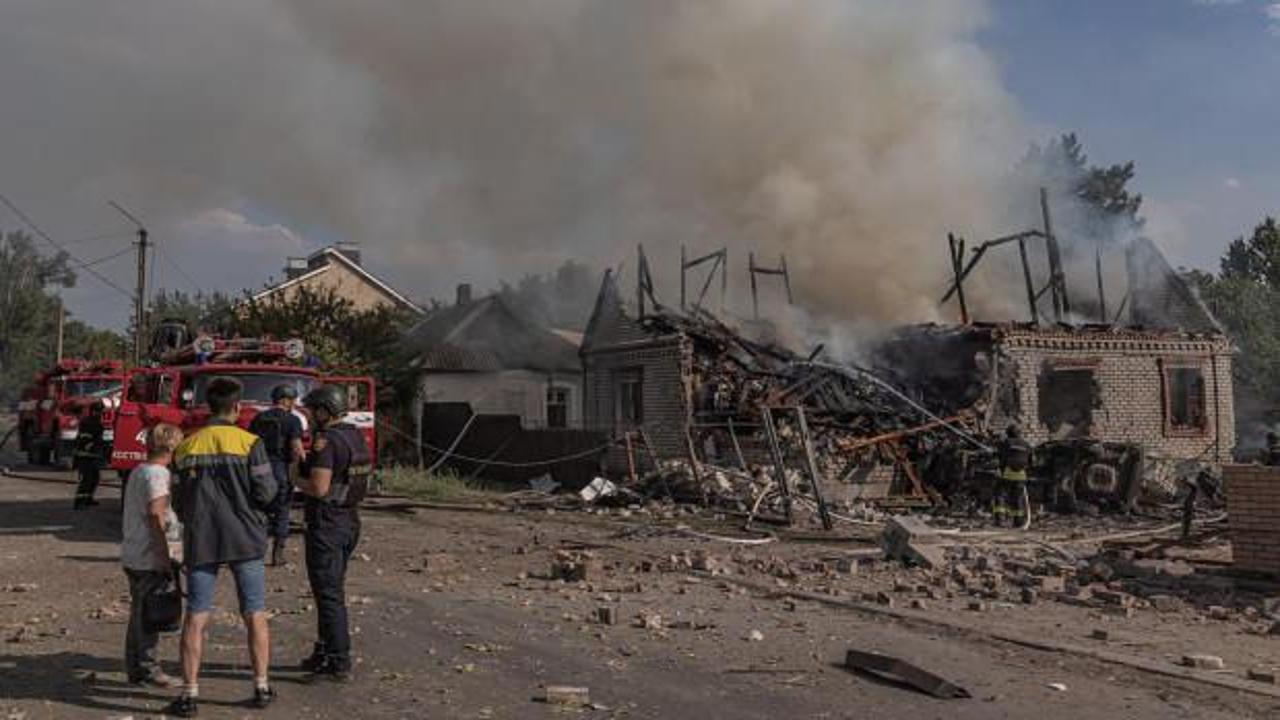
(315, 660)
(277, 552)
(331, 668)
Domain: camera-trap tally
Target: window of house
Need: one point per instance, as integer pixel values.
(629, 387)
(1184, 395)
(557, 407)
(1068, 396)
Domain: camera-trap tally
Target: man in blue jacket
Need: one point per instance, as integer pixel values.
(224, 487)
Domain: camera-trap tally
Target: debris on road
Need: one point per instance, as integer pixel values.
(566, 695)
(1203, 662)
(904, 672)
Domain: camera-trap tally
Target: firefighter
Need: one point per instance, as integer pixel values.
(1273, 449)
(336, 478)
(1012, 502)
(88, 456)
(281, 433)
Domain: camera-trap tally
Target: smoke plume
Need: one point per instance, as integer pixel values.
(477, 140)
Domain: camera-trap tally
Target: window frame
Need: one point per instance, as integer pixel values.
(563, 405)
(622, 378)
(1089, 364)
(1167, 366)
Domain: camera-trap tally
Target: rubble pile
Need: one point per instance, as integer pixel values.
(764, 416)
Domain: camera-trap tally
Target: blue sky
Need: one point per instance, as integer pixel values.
(1188, 89)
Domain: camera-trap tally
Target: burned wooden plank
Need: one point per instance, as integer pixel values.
(901, 671)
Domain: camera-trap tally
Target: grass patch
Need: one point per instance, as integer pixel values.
(437, 487)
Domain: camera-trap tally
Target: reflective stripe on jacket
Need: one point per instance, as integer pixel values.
(224, 485)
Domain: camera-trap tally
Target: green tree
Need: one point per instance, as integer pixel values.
(1245, 297)
(211, 313)
(1256, 259)
(1063, 167)
(336, 333)
(28, 309)
(81, 340)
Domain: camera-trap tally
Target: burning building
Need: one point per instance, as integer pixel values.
(1114, 409)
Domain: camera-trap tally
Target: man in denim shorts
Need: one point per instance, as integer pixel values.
(223, 490)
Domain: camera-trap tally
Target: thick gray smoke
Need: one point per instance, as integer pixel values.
(477, 140)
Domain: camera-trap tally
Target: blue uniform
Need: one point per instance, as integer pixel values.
(333, 530)
(278, 429)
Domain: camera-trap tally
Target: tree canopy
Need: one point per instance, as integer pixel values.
(29, 307)
(1245, 297)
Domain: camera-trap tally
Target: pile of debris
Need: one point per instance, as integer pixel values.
(772, 430)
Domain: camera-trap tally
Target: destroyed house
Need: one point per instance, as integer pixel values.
(1168, 392)
(479, 353)
(1116, 409)
(635, 380)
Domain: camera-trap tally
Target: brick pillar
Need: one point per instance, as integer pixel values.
(1253, 504)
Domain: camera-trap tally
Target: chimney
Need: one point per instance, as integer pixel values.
(464, 293)
(294, 266)
(350, 250)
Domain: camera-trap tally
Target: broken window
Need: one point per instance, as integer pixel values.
(1068, 396)
(630, 395)
(557, 407)
(1184, 408)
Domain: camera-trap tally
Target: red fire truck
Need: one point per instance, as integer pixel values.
(51, 408)
(174, 390)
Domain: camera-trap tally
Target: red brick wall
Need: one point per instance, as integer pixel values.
(1253, 504)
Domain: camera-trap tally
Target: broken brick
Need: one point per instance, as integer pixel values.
(1203, 662)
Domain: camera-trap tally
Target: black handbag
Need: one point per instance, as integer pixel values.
(162, 607)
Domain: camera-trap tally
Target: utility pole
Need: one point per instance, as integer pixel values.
(140, 301)
(62, 314)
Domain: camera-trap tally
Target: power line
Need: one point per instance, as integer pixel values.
(110, 257)
(151, 291)
(178, 268)
(45, 236)
(100, 236)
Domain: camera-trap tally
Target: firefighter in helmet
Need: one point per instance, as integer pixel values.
(1012, 502)
(281, 433)
(335, 480)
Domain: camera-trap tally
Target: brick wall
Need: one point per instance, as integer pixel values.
(661, 364)
(1128, 371)
(1253, 504)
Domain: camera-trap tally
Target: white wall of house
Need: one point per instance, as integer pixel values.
(509, 392)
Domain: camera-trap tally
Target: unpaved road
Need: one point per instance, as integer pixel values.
(454, 621)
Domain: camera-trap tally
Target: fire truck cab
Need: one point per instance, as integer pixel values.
(51, 408)
(174, 391)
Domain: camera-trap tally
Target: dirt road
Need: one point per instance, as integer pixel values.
(455, 620)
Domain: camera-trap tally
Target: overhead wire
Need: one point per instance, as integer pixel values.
(110, 257)
(178, 268)
(101, 236)
(60, 248)
(151, 282)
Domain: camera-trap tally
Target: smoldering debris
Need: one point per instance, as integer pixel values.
(798, 439)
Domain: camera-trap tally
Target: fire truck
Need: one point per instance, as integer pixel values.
(173, 390)
(50, 409)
